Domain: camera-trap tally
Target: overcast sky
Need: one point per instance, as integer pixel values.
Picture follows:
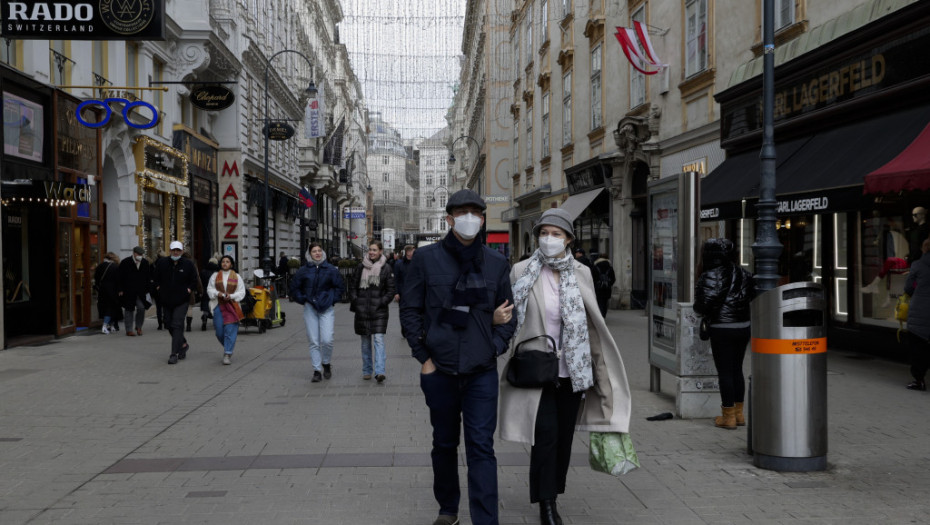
(406, 56)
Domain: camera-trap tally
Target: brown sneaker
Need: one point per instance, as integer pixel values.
(138, 331)
(366, 377)
(131, 333)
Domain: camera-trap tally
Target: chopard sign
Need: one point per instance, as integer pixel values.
(212, 98)
(85, 20)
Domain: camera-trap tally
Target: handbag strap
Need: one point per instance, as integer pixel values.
(547, 336)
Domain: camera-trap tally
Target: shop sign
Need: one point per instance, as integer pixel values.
(84, 20)
(803, 205)
(212, 98)
(67, 192)
(230, 200)
(313, 224)
(710, 213)
(76, 144)
(353, 212)
(278, 130)
(127, 111)
(163, 159)
(201, 156)
(699, 165)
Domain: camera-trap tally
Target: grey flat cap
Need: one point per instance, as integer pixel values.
(464, 198)
(138, 250)
(555, 217)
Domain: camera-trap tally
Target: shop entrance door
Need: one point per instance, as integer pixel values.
(65, 278)
(83, 275)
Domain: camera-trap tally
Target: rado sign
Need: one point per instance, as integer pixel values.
(278, 130)
(83, 20)
(212, 98)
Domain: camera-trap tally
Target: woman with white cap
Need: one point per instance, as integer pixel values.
(175, 280)
(554, 296)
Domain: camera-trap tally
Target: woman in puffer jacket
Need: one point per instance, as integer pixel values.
(723, 293)
(371, 290)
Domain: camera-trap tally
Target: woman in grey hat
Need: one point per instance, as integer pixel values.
(554, 296)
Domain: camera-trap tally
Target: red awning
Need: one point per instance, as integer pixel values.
(909, 171)
(498, 238)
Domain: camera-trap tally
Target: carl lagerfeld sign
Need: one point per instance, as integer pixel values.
(84, 20)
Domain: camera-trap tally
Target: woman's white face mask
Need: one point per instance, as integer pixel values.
(467, 225)
(551, 246)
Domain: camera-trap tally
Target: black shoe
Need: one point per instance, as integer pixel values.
(380, 378)
(159, 326)
(189, 320)
(548, 515)
(203, 327)
(317, 377)
(183, 353)
(173, 359)
(327, 371)
(916, 385)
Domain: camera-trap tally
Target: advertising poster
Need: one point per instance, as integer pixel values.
(664, 246)
(22, 128)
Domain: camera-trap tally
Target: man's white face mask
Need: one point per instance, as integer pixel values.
(551, 246)
(467, 225)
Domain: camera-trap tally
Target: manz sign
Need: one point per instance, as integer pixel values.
(212, 98)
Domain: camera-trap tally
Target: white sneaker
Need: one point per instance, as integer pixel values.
(105, 329)
(226, 360)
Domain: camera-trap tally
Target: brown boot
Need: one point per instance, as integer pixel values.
(740, 420)
(728, 419)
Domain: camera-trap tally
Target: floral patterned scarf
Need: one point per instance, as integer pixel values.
(574, 343)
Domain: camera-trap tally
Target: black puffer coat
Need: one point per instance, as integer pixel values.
(724, 290)
(371, 304)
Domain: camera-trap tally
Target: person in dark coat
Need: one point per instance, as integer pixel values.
(604, 279)
(371, 290)
(918, 317)
(159, 309)
(317, 286)
(451, 292)
(105, 282)
(206, 312)
(176, 280)
(135, 281)
(400, 268)
(724, 291)
(582, 258)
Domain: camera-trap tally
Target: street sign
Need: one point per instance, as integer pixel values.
(278, 130)
(312, 224)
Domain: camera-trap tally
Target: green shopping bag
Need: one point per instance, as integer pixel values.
(612, 453)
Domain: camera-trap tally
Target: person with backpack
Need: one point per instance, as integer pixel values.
(604, 279)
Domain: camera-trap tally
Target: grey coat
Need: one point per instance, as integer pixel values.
(606, 405)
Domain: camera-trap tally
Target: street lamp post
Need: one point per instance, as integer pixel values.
(265, 245)
(766, 249)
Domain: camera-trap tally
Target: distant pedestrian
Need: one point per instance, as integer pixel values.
(135, 282)
(447, 310)
(225, 289)
(317, 286)
(554, 296)
(196, 296)
(401, 267)
(371, 290)
(604, 279)
(918, 317)
(176, 280)
(724, 290)
(282, 265)
(206, 311)
(159, 308)
(105, 283)
(582, 258)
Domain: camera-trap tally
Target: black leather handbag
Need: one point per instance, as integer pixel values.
(704, 331)
(533, 368)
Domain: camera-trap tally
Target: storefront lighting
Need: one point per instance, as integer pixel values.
(12, 201)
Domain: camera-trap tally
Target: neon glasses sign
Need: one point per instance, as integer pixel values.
(105, 104)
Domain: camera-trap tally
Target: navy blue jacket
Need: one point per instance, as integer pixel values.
(918, 287)
(400, 270)
(428, 281)
(321, 286)
(175, 280)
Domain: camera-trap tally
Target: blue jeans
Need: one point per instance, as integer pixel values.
(225, 333)
(471, 399)
(379, 353)
(320, 335)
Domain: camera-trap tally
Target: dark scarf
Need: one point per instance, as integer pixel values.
(470, 289)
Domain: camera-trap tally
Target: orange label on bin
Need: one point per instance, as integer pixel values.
(789, 346)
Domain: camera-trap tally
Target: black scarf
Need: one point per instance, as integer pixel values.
(470, 289)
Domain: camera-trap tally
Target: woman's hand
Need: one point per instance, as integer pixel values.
(503, 313)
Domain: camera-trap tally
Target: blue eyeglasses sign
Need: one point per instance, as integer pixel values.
(105, 104)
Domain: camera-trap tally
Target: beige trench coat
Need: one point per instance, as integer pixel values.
(606, 405)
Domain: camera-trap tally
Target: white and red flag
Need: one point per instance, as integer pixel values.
(642, 56)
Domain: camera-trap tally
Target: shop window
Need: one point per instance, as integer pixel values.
(596, 117)
(545, 125)
(16, 255)
(9, 51)
(637, 79)
(884, 249)
(567, 109)
(695, 36)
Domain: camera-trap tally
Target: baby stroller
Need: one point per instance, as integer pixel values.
(261, 305)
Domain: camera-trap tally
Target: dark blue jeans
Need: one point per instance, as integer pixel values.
(472, 400)
(728, 346)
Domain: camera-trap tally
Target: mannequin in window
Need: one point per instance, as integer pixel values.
(895, 250)
(917, 233)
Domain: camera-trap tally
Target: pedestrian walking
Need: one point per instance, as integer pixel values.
(400, 268)
(175, 281)
(159, 308)
(604, 279)
(105, 283)
(447, 309)
(225, 289)
(554, 296)
(722, 296)
(135, 282)
(206, 275)
(918, 318)
(371, 290)
(582, 258)
(196, 296)
(317, 286)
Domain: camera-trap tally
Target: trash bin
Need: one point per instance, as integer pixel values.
(789, 379)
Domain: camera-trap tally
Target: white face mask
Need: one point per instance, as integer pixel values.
(551, 246)
(467, 225)
(137, 258)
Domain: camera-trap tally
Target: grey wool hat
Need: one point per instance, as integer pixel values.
(464, 198)
(555, 217)
(138, 250)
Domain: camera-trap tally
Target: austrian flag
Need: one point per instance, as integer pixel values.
(642, 56)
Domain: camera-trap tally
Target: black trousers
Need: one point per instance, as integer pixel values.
(729, 348)
(174, 317)
(555, 429)
(919, 350)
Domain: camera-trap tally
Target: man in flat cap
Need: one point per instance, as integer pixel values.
(133, 282)
(447, 304)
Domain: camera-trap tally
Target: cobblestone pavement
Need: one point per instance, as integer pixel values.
(98, 429)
